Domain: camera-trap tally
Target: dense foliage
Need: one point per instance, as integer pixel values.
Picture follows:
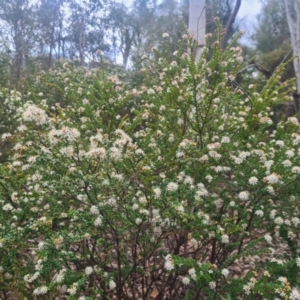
(178, 188)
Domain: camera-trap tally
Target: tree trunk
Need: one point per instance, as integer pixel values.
(82, 39)
(230, 23)
(197, 24)
(293, 18)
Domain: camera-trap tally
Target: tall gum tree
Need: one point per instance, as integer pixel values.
(292, 8)
(197, 24)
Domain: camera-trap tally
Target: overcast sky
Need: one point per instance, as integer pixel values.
(248, 11)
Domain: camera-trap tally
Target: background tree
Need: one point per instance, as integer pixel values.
(226, 11)
(292, 9)
(197, 23)
(272, 45)
(50, 15)
(18, 33)
(271, 37)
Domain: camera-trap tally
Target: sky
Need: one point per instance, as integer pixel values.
(248, 11)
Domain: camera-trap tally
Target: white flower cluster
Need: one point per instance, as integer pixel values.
(88, 270)
(169, 265)
(40, 290)
(172, 187)
(253, 180)
(224, 239)
(272, 178)
(192, 273)
(250, 285)
(31, 278)
(35, 114)
(295, 294)
(112, 284)
(157, 192)
(225, 272)
(70, 134)
(244, 195)
(268, 238)
(59, 277)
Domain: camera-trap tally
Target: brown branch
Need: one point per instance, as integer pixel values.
(229, 24)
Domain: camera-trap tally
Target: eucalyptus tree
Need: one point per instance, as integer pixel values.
(50, 15)
(85, 31)
(197, 24)
(17, 32)
(272, 41)
(124, 30)
(292, 9)
(201, 20)
(272, 38)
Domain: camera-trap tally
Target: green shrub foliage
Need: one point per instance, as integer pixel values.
(179, 187)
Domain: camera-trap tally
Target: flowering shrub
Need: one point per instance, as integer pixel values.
(180, 188)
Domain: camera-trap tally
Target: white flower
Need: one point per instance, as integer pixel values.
(185, 280)
(72, 290)
(172, 186)
(224, 239)
(7, 207)
(98, 221)
(209, 178)
(270, 189)
(272, 178)
(204, 158)
(244, 195)
(225, 272)
(165, 35)
(225, 140)
(173, 63)
(169, 265)
(244, 154)
(40, 290)
(278, 221)
(295, 221)
(138, 221)
(67, 151)
(112, 284)
(41, 245)
(280, 143)
(268, 238)
(272, 213)
(296, 170)
(293, 120)
(150, 92)
(283, 279)
(295, 295)
(253, 180)
(60, 276)
(192, 273)
(286, 163)
(218, 169)
(88, 270)
(290, 153)
(259, 213)
(139, 152)
(298, 261)
(35, 114)
(94, 210)
(115, 153)
(212, 285)
(31, 278)
(188, 180)
(268, 164)
(97, 152)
